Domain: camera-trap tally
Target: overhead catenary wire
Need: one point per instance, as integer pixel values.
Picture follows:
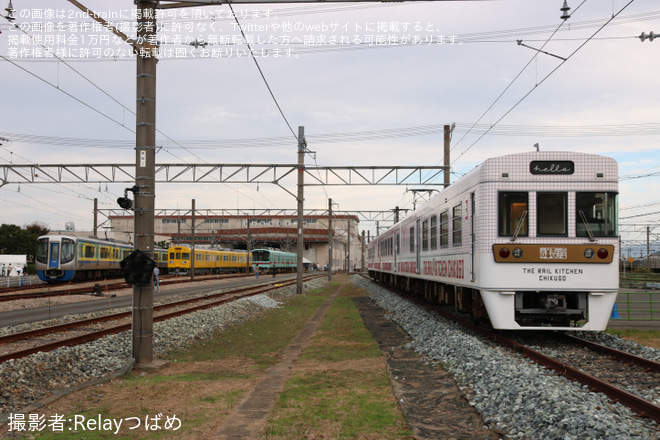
(263, 77)
(515, 105)
(610, 130)
(91, 107)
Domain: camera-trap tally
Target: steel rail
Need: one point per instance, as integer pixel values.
(76, 340)
(617, 354)
(64, 290)
(641, 406)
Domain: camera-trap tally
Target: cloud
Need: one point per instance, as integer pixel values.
(608, 82)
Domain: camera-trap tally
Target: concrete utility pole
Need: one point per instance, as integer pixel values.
(96, 217)
(145, 155)
(448, 131)
(348, 245)
(362, 253)
(302, 145)
(192, 242)
(329, 239)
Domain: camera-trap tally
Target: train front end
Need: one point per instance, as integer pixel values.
(178, 262)
(261, 260)
(55, 258)
(549, 256)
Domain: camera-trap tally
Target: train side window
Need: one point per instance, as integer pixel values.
(425, 235)
(89, 251)
(412, 240)
(185, 256)
(551, 213)
(398, 244)
(434, 232)
(512, 210)
(457, 225)
(444, 229)
(68, 251)
(596, 211)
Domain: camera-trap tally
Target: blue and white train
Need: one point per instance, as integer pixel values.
(529, 241)
(62, 258)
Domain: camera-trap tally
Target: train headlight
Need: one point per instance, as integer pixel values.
(589, 253)
(602, 253)
(517, 253)
(504, 252)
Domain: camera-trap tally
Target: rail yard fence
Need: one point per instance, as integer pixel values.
(19, 281)
(638, 298)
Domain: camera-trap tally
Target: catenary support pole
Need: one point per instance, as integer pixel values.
(192, 242)
(329, 239)
(145, 155)
(301, 172)
(447, 137)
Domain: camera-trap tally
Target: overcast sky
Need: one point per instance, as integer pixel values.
(396, 71)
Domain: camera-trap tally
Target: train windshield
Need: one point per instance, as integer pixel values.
(551, 209)
(260, 256)
(596, 213)
(42, 251)
(68, 251)
(512, 215)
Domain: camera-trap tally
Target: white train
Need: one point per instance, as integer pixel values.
(528, 240)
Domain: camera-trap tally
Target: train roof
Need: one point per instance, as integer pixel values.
(550, 165)
(108, 241)
(544, 165)
(206, 248)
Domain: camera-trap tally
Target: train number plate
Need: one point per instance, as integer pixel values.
(553, 253)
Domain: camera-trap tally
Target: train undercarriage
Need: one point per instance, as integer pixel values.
(531, 308)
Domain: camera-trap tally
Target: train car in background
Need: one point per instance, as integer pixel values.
(62, 258)
(207, 260)
(274, 261)
(528, 241)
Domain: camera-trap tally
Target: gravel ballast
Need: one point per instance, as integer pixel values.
(514, 395)
(25, 382)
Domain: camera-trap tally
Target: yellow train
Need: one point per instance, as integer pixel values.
(207, 261)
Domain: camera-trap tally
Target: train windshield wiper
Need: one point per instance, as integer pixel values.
(521, 220)
(586, 225)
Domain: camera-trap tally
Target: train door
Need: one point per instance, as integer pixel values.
(396, 251)
(54, 260)
(418, 258)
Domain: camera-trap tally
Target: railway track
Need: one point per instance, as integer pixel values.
(600, 368)
(161, 313)
(613, 364)
(90, 288)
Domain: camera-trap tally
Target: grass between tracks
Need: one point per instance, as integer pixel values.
(338, 389)
(650, 338)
